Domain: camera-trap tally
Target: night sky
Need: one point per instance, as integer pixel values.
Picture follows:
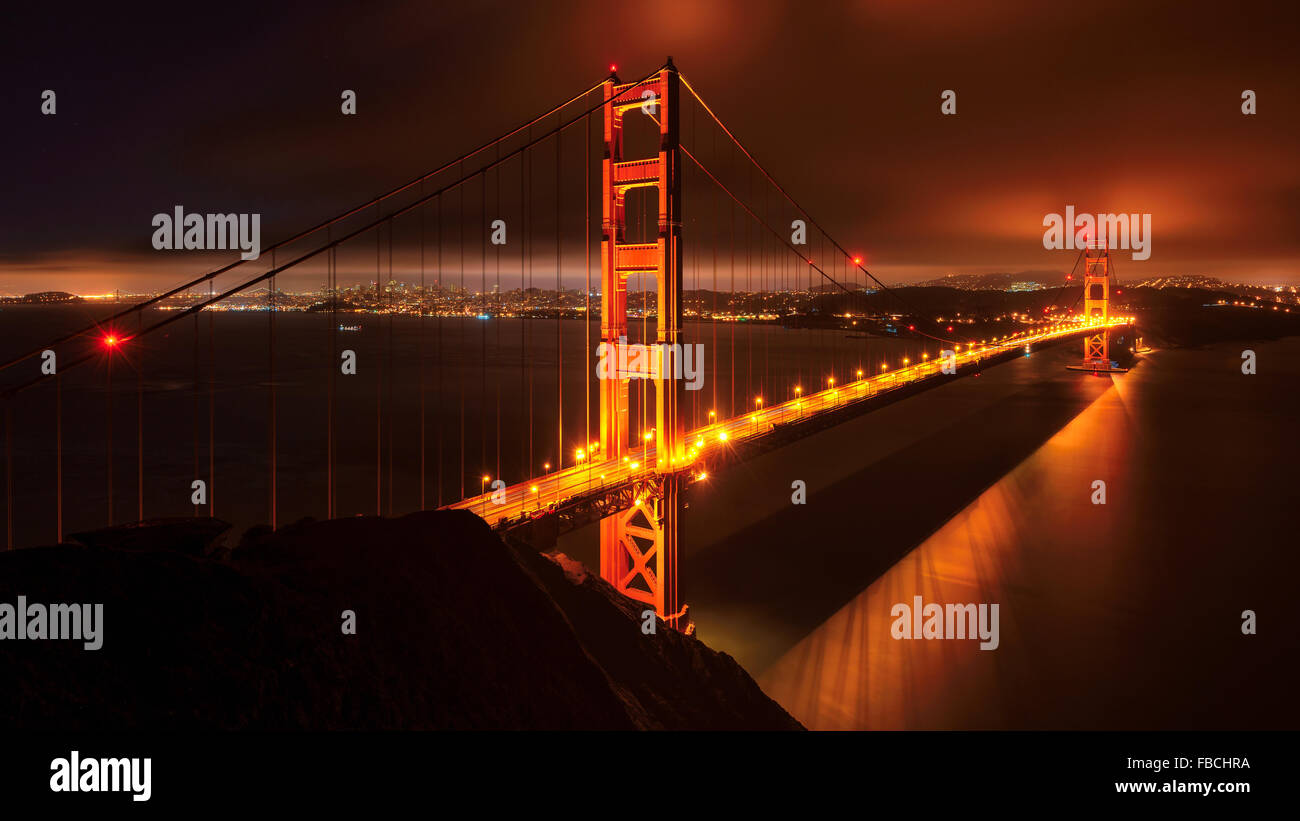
(1107, 106)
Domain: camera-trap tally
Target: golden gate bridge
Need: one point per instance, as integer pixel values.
(651, 441)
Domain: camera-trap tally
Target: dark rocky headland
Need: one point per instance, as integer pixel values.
(455, 629)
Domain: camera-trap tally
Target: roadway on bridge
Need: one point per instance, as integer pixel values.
(543, 493)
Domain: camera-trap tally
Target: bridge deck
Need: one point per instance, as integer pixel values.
(542, 494)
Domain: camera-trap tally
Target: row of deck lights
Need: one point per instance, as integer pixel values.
(581, 454)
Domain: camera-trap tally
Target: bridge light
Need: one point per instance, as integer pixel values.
(579, 454)
(906, 360)
(546, 466)
(857, 260)
(636, 465)
(533, 488)
(702, 477)
(722, 437)
(859, 373)
(110, 341)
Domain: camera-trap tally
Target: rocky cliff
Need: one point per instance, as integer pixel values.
(454, 629)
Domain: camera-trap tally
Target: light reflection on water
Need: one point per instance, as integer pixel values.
(1122, 615)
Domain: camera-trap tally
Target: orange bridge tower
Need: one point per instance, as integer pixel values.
(638, 545)
(1096, 304)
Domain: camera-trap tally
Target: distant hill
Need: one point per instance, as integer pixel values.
(1184, 281)
(1019, 281)
(1283, 294)
(41, 298)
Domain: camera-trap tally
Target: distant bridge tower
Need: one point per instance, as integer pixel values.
(638, 545)
(1096, 304)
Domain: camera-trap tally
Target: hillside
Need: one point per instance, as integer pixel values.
(454, 629)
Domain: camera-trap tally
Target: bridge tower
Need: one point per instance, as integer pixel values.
(638, 545)
(1096, 304)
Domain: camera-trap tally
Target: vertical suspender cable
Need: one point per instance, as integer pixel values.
(139, 423)
(523, 319)
(767, 332)
(392, 306)
(423, 363)
(108, 418)
(58, 455)
(586, 298)
(713, 318)
(559, 319)
(195, 413)
(440, 356)
(497, 318)
(483, 310)
(9, 474)
(331, 277)
(749, 330)
(379, 385)
(731, 407)
(464, 337)
(271, 359)
(695, 283)
(525, 188)
(212, 406)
